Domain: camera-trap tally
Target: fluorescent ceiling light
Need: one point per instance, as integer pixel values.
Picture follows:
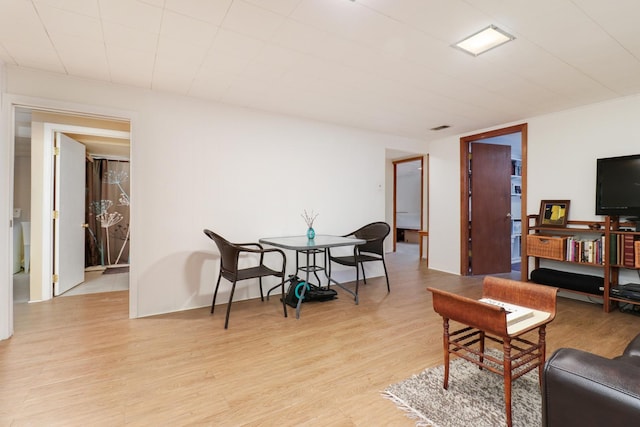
(484, 40)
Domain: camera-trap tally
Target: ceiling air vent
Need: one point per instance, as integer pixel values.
(441, 127)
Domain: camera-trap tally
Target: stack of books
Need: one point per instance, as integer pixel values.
(625, 250)
(589, 249)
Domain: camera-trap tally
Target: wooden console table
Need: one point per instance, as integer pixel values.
(482, 320)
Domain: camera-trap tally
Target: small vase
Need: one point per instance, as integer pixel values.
(311, 233)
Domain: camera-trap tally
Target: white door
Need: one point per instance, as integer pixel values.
(69, 202)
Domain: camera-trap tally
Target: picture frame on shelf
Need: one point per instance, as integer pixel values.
(554, 213)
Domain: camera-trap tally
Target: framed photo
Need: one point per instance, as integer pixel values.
(553, 213)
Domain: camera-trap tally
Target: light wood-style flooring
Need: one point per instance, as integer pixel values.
(80, 360)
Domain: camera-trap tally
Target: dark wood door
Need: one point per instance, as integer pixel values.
(490, 208)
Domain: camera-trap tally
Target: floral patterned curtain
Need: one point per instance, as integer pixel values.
(107, 210)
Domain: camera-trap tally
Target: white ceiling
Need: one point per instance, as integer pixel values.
(383, 65)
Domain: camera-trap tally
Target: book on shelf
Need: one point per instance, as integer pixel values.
(515, 313)
(628, 259)
(586, 249)
(636, 250)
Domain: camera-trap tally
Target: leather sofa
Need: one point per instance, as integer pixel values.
(583, 389)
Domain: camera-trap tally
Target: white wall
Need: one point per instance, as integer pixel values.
(250, 174)
(562, 152)
(243, 173)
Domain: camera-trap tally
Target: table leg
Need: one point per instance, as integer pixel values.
(543, 352)
(506, 366)
(327, 273)
(304, 288)
(445, 339)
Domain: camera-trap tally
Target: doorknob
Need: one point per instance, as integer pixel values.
(85, 225)
(509, 215)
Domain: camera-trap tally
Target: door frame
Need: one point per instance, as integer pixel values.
(7, 114)
(395, 192)
(46, 221)
(465, 143)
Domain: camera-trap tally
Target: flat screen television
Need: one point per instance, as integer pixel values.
(618, 186)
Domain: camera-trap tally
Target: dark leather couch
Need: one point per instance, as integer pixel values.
(583, 389)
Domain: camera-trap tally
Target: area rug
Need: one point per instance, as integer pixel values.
(475, 397)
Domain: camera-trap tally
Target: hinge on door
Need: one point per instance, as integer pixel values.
(55, 278)
(56, 214)
(56, 151)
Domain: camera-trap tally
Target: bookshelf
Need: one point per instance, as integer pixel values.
(607, 246)
(516, 201)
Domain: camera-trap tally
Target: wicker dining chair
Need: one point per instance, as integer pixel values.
(371, 250)
(230, 253)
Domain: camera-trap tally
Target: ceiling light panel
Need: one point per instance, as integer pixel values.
(484, 40)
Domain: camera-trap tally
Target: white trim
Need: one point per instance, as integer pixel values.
(7, 122)
(7, 111)
(46, 244)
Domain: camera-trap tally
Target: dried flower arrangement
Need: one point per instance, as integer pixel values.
(309, 218)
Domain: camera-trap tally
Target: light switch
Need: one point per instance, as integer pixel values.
(17, 212)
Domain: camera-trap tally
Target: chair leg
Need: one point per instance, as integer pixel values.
(364, 277)
(384, 264)
(215, 293)
(261, 294)
(357, 280)
(226, 320)
(284, 304)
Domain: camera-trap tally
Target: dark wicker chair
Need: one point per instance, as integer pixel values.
(229, 255)
(372, 250)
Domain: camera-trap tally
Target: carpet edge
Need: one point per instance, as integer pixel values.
(414, 414)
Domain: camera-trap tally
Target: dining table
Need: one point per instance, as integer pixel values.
(309, 248)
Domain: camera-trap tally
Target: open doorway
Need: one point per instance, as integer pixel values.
(34, 162)
(408, 204)
(493, 200)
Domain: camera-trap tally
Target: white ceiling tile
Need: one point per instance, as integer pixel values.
(82, 56)
(312, 41)
(187, 30)
(120, 36)
(70, 23)
(272, 63)
(23, 21)
(619, 18)
(5, 57)
(229, 42)
(130, 66)
(281, 7)
(383, 65)
(133, 14)
(223, 63)
(176, 65)
(25, 39)
(188, 55)
(446, 20)
(36, 56)
(345, 19)
(155, 3)
(205, 10)
(251, 20)
(82, 7)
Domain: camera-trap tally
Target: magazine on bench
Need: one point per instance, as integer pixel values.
(515, 313)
